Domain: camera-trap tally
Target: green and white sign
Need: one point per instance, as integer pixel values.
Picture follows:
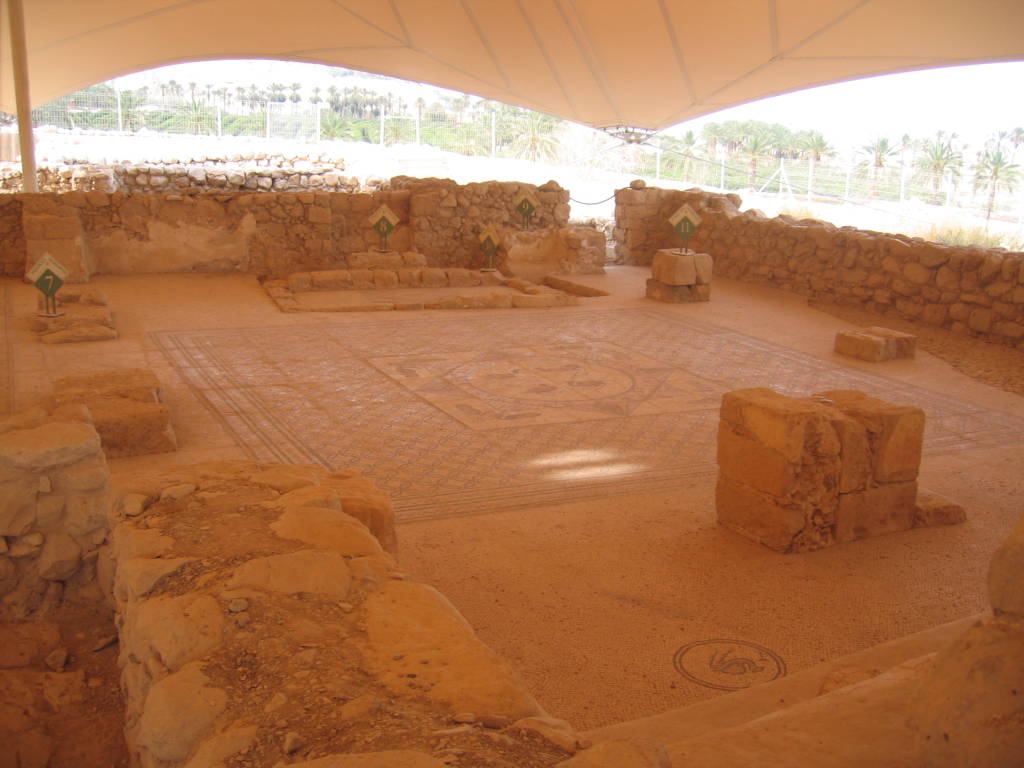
(48, 276)
(384, 220)
(489, 241)
(685, 221)
(526, 204)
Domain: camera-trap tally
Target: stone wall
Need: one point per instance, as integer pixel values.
(12, 237)
(969, 290)
(260, 611)
(53, 511)
(269, 233)
(249, 172)
(447, 218)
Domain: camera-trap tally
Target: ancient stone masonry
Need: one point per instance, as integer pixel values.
(262, 614)
(269, 233)
(84, 315)
(53, 511)
(680, 275)
(251, 171)
(802, 474)
(970, 290)
(876, 344)
(447, 218)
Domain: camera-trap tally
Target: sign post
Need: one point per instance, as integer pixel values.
(384, 220)
(489, 241)
(685, 222)
(48, 276)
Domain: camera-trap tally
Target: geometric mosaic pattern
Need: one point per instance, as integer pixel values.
(456, 415)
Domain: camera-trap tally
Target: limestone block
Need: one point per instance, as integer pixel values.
(460, 278)
(433, 278)
(969, 709)
(137, 384)
(60, 557)
(785, 424)
(327, 529)
(362, 279)
(331, 280)
(74, 315)
(408, 622)
(176, 630)
(524, 300)
(137, 576)
(748, 461)
(314, 571)
(80, 333)
(413, 259)
(896, 432)
(885, 508)
(758, 516)
(54, 445)
(677, 294)
(898, 344)
(286, 478)
(385, 278)
(300, 282)
(935, 509)
(178, 712)
(376, 260)
(132, 428)
(862, 346)
(674, 267)
(18, 504)
(409, 278)
(1006, 576)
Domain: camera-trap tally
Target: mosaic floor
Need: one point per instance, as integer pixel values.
(463, 414)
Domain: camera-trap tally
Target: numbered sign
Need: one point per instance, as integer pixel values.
(525, 204)
(384, 221)
(489, 241)
(685, 221)
(48, 276)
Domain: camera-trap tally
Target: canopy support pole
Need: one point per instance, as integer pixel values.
(19, 61)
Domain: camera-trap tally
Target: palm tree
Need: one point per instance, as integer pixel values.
(756, 148)
(1016, 138)
(939, 158)
(815, 147)
(878, 153)
(535, 139)
(992, 171)
(315, 98)
(294, 97)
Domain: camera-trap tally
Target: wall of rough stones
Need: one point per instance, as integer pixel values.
(12, 237)
(53, 511)
(248, 172)
(268, 233)
(447, 218)
(970, 290)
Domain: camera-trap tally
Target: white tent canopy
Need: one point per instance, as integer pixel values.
(643, 63)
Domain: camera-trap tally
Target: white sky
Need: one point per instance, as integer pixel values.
(974, 101)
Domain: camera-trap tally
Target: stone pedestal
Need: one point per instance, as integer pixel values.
(802, 474)
(680, 275)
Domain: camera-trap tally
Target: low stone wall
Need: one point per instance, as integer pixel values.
(269, 234)
(261, 615)
(231, 173)
(969, 290)
(53, 511)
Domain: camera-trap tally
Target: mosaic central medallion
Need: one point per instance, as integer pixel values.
(546, 379)
(524, 386)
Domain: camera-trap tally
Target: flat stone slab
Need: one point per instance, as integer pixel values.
(876, 344)
(676, 266)
(677, 294)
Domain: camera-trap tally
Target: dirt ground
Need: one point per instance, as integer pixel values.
(590, 600)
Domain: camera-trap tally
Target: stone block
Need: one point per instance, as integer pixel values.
(461, 278)
(876, 344)
(895, 432)
(385, 278)
(677, 294)
(132, 428)
(674, 267)
(413, 259)
(137, 384)
(300, 282)
(362, 279)
(885, 508)
(80, 333)
(330, 280)
(375, 260)
(409, 278)
(934, 509)
(756, 515)
(433, 278)
(748, 461)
